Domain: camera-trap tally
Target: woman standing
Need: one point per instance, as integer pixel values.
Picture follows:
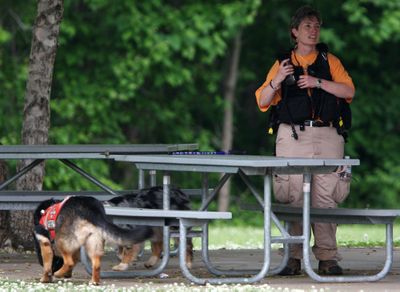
(306, 87)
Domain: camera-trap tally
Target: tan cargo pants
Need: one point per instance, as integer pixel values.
(327, 190)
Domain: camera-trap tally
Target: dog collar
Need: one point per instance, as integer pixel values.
(49, 217)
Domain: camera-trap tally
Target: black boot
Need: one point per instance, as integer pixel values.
(292, 268)
(330, 268)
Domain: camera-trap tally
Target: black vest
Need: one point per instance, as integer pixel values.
(297, 106)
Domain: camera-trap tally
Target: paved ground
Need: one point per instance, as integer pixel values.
(355, 260)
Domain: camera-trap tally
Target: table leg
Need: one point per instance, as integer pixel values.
(306, 221)
(185, 224)
(166, 191)
(204, 188)
(204, 239)
(153, 178)
(141, 181)
(283, 230)
(306, 245)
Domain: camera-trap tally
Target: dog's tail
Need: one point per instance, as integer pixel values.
(127, 236)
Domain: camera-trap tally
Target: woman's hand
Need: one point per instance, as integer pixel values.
(307, 81)
(285, 69)
(338, 89)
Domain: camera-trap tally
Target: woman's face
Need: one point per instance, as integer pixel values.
(308, 31)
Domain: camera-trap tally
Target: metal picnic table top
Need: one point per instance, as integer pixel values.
(243, 165)
(250, 164)
(100, 151)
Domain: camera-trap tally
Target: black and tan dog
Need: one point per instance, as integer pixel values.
(151, 198)
(81, 221)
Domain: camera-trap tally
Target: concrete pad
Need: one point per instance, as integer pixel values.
(356, 261)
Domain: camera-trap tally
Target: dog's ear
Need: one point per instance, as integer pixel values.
(37, 214)
(40, 230)
(115, 201)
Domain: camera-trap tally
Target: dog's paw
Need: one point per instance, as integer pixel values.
(189, 265)
(121, 267)
(46, 279)
(95, 283)
(59, 274)
(68, 274)
(151, 262)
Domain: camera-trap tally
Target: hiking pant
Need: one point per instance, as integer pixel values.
(327, 190)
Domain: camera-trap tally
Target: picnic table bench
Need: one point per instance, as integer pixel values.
(162, 218)
(342, 216)
(28, 200)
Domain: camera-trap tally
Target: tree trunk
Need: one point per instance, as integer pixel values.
(4, 215)
(36, 122)
(229, 98)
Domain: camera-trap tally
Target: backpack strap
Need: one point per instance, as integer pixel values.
(284, 55)
(343, 123)
(273, 122)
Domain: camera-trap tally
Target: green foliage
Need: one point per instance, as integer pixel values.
(152, 72)
(138, 72)
(15, 36)
(4, 35)
(380, 19)
(376, 107)
(363, 34)
(138, 62)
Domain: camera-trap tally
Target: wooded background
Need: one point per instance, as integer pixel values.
(185, 72)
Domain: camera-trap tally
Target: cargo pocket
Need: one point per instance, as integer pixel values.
(342, 189)
(281, 188)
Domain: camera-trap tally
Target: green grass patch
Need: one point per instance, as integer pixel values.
(248, 237)
(366, 235)
(67, 286)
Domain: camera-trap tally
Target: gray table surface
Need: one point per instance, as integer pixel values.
(235, 160)
(250, 164)
(86, 150)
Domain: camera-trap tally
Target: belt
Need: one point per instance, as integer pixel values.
(311, 123)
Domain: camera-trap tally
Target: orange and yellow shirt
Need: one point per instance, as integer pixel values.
(338, 72)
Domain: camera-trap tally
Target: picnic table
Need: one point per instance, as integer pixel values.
(244, 166)
(161, 157)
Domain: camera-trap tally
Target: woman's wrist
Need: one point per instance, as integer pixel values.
(274, 85)
(318, 83)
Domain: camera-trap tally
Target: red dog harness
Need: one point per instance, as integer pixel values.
(49, 217)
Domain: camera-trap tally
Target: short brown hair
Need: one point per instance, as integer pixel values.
(301, 14)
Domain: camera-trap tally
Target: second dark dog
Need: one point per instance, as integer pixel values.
(151, 198)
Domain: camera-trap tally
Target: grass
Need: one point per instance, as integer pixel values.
(14, 286)
(251, 238)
